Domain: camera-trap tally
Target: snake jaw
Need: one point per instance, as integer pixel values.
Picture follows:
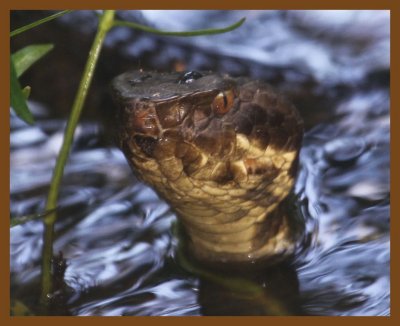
(224, 156)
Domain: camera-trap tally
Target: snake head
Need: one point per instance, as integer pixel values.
(222, 151)
(213, 127)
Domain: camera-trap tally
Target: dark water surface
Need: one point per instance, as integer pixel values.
(118, 237)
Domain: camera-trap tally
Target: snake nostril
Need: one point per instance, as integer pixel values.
(146, 144)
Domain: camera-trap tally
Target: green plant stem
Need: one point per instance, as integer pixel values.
(199, 32)
(38, 22)
(105, 23)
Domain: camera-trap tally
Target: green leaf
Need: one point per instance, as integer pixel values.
(199, 32)
(38, 22)
(26, 218)
(28, 55)
(14, 221)
(18, 308)
(17, 98)
(26, 91)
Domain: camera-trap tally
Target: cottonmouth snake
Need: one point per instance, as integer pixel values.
(222, 151)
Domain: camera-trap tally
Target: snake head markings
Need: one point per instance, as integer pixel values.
(222, 151)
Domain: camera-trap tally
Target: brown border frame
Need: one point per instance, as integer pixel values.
(6, 6)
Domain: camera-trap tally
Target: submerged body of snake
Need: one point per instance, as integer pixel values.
(222, 151)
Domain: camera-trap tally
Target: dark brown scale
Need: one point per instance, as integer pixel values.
(143, 118)
(243, 124)
(278, 137)
(259, 116)
(260, 134)
(265, 99)
(246, 94)
(165, 148)
(294, 167)
(209, 142)
(277, 119)
(170, 115)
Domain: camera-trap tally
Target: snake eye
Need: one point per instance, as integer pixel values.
(223, 102)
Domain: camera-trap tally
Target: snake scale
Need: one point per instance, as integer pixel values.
(222, 151)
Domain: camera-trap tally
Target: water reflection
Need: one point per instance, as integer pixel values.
(116, 235)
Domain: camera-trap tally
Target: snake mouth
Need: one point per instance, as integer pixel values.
(221, 151)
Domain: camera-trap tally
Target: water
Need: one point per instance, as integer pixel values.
(119, 240)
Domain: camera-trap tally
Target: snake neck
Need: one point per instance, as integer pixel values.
(271, 235)
(267, 240)
(242, 220)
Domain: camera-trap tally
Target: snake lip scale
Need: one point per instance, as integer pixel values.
(222, 151)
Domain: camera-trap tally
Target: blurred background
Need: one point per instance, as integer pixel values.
(297, 51)
(113, 231)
